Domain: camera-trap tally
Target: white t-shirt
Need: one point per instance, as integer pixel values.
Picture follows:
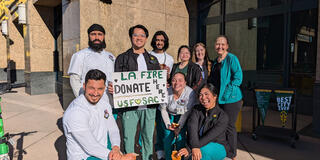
(182, 106)
(87, 129)
(142, 66)
(87, 59)
(164, 58)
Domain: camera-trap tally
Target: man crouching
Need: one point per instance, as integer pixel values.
(88, 124)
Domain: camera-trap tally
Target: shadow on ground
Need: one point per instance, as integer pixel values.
(275, 148)
(60, 143)
(19, 145)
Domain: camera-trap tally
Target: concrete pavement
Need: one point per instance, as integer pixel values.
(34, 122)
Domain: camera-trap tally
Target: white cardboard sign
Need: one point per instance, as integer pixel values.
(139, 88)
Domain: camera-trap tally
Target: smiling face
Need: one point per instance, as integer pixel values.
(221, 45)
(93, 90)
(160, 42)
(139, 38)
(184, 55)
(207, 99)
(178, 82)
(200, 52)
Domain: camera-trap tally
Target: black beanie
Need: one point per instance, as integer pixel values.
(96, 27)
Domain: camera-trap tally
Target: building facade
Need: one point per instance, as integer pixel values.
(276, 41)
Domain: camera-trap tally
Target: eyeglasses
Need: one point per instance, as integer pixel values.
(139, 35)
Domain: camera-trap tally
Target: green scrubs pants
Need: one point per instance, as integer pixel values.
(169, 140)
(213, 151)
(159, 129)
(130, 120)
(93, 158)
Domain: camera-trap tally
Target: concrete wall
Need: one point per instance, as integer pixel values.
(70, 31)
(40, 44)
(16, 51)
(168, 15)
(41, 40)
(78, 15)
(3, 52)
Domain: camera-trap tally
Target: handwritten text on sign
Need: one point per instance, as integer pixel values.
(139, 88)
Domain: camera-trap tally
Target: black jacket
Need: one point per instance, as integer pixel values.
(214, 121)
(127, 61)
(206, 71)
(194, 76)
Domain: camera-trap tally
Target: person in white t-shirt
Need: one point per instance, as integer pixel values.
(93, 57)
(160, 43)
(88, 122)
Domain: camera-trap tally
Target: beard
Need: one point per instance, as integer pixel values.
(159, 47)
(97, 47)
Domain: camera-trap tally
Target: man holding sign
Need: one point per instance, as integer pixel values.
(138, 59)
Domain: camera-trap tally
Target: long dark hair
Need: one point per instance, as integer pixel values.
(154, 39)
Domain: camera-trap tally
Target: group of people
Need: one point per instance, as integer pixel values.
(198, 121)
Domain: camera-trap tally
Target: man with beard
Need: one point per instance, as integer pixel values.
(160, 43)
(94, 57)
(87, 124)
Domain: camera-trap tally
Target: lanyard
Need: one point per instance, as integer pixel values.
(165, 58)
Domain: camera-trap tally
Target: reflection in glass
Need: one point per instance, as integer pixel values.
(270, 43)
(213, 31)
(243, 43)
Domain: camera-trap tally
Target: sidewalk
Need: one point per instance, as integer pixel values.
(265, 148)
(33, 122)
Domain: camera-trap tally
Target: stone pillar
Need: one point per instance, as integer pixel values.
(316, 86)
(39, 51)
(192, 6)
(71, 44)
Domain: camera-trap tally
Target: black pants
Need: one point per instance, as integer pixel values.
(232, 110)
